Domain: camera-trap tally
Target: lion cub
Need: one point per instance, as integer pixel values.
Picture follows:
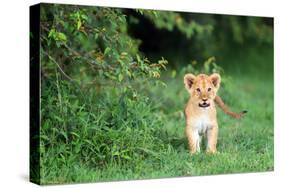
(200, 111)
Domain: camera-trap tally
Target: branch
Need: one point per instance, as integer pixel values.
(60, 69)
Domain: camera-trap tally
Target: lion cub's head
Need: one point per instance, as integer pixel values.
(202, 88)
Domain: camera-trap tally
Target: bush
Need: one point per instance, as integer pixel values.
(94, 111)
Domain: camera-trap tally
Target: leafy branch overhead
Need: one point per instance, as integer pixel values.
(93, 42)
(173, 20)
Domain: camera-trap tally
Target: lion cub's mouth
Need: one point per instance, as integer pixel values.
(204, 105)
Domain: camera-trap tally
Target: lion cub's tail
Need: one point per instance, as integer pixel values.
(227, 111)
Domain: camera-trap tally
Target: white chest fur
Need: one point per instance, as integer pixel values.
(202, 123)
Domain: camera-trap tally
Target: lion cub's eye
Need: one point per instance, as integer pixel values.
(198, 89)
(209, 89)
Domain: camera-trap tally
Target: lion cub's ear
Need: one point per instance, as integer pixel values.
(189, 81)
(216, 80)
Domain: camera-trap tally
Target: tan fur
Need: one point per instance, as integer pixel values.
(200, 111)
(226, 110)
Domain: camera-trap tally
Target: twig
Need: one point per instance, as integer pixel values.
(60, 69)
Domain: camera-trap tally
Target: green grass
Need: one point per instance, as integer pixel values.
(85, 139)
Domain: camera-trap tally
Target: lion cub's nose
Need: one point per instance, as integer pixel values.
(204, 99)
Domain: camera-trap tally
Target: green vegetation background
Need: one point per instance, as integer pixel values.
(112, 94)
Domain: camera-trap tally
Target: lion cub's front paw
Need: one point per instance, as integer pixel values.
(211, 151)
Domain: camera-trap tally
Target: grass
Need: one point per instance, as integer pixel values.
(84, 139)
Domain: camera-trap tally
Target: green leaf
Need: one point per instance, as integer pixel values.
(79, 23)
(174, 74)
(75, 134)
(120, 77)
(58, 118)
(129, 73)
(96, 36)
(61, 36)
(138, 58)
(84, 17)
(124, 53)
(116, 153)
(51, 33)
(155, 13)
(88, 142)
(126, 157)
(107, 49)
(44, 137)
